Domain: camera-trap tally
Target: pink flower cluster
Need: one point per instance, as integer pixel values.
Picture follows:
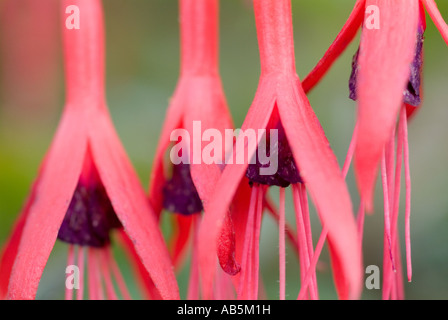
(87, 193)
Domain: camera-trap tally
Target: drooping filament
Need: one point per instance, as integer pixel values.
(193, 285)
(181, 198)
(393, 280)
(87, 227)
(392, 286)
(391, 169)
(287, 174)
(310, 274)
(304, 239)
(104, 278)
(281, 244)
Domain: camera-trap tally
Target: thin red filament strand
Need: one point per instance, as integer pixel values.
(306, 279)
(387, 222)
(303, 245)
(106, 273)
(70, 262)
(81, 266)
(309, 235)
(256, 244)
(122, 288)
(94, 278)
(193, 284)
(282, 250)
(404, 137)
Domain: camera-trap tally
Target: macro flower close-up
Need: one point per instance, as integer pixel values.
(223, 150)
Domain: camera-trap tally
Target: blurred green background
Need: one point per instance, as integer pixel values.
(142, 70)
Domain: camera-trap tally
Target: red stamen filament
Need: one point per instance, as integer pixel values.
(105, 270)
(387, 209)
(390, 283)
(256, 243)
(70, 261)
(102, 267)
(302, 236)
(117, 275)
(404, 137)
(350, 152)
(306, 279)
(308, 234)
(393, 282)
(311, 270)
(80, 292)
(288, 229)
(434, 12)
(193, 284)
(281, 240)
(398, 285)
(94, 280)
(391, 193)
(360, 220)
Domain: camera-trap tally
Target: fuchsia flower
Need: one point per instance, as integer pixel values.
(305, 161)
(86, 187)
(386, 82)
(183, 188)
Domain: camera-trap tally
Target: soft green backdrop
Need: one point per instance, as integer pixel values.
(142, 69)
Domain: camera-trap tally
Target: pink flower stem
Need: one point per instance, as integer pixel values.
(84, 54)
(199, 37)
(275, 36)
(342, 41)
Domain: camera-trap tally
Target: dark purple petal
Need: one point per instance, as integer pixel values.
(90, 216)
(180, 194)
(354, 76)
(287, 171)
(411, 95)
